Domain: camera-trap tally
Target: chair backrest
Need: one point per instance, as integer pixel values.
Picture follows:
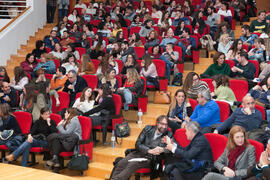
(81, 50)
(78, 95)
(179, 50)
(96, 63)
(181, 138)
(259, 148)
(95, 22)
(135, 29)
(119, 80)
(117, 103)
(209, 83)
(24, 120)
(140, 51)
(120, 65)
(218, 144)
(160, 66)
(144, 85)
(257, 66)
(239, 87)
(224, 109)
(86, 125)
(156, 28)
(193, 103)
(56, 118)
(261, 109)
(230, 63)
(92, 80)
(125, 32)
(64, 102)
(48, 76)
(57, 63)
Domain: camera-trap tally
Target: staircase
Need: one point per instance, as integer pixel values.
(15, 60)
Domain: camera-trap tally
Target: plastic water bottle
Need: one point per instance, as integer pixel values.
(140, 113)
(113, 140)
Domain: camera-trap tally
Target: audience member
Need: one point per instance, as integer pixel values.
(20, 79)
(168, 39)
(261, 92)
(247, 37)
(85, 102)
(156, 52)
(130, 63)
(51, 39)
(87, 66)
(259, 25)
(46, 63)
(70, 63)
(146, 29)
(29, 64)
(8, 95)
(73, 16)
(149, 71)
(58, 80)
(3, 75)
(66, 40)
(152, 40)
(257, 53)
(40, 49)
(235, 50)
(110, 79)
(224, 44)
(57, 53)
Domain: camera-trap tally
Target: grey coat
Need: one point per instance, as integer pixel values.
(243, 162)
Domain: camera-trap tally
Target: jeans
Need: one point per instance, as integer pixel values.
(169, 66)
(62, 13)
(50, 13)
(128, 98)
(25, 149)
(184, 49)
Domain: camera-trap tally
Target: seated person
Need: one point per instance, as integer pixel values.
(149, 71)
(46, 63)
(70, 63)
(218, 67)
(235, 50)
(186, 42)
(146, 29)
(224, 44)
(169, 38)
(8, 95)
(58, 80)
(51, 39)
(184, 162)
(262, 169)
(85, 102)
(87, 66)
(29, 64)
(20, 79)
(257, 53)
(110, 79)
(237, 157)
(247, 117)
(244, 69)
(148, 144)
(40, 49)
(247, 37)
(73, 85)
(152, 40)
(259, 25)
(180, 108)
(36, 138)
(206, 112)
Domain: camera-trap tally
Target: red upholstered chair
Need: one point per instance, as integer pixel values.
(209, 83)
(79, 10)
(224, 109)
(180, 67)
(179, 50)
(81, 50)
(57, 63)
(125, 32)
(193, 103)
(257, 66)
(56, 118)
(156, 28)
(140, 51)
(181, 138)
(156, 20)
(239, 87)
(48, 50)
(86, 125)
(96, 63)
(48, 76)
(95, 22)
(230, 63)
(92, 80)
(259, 148)
(128, 22)
(119, 80)
(78, 95)
(218, 144)
(64, 102)
(120, 65)
(135, 29)
(261, 109)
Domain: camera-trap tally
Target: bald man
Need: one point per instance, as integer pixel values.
(248, 117)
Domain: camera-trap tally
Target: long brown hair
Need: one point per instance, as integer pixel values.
(82, 97)
(85, 62)
(216, 56)
(72, 113)
(19, 73)
(221, 80)
(148, 60)
(133, 76)
(189, 81)
(5, 110)
(174, 102)
(235, 129)
(31, 95)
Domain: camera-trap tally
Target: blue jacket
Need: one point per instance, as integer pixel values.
(207, 114)
(49, 67)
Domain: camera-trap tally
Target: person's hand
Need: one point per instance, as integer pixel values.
(57, 102)
(183, 125)
(170, 147)
(172, 119)
(263, 159)
(92, 48)
(61, 122)
(213, 94)
(257, 87)
(6, 98)
(247, 111)
(155, 151)
(1, 94)
(215, 131)
(264, 87)
(228, 172)
(196, 31)
(70, 87)
(177, 119)
(48, 121)
(30, 138)
(187, 119)
(263, 47)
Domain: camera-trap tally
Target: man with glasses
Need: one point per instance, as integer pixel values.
(8, 95)
(73, 85)
(148, 148)
(247, 117)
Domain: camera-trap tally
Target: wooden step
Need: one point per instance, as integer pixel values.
(99, 170)
(100, 154)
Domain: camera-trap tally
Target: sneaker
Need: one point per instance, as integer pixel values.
(10, 157)
(50, 163)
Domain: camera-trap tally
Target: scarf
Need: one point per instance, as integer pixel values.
(180, 112)
(234, 154)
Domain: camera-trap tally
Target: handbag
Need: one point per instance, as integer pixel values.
(121, 130)
(79, 161)
(162, 97)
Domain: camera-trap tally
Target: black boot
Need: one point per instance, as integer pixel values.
(104, 136)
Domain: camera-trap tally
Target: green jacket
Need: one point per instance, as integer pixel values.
(215, 69)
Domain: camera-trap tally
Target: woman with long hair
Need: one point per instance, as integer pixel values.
(69, 128)
(57, 52)
(132, 88)
(165, 18)
(236, 49)
(223, 92)
(152, 40)
(3, 75)
(193, 85)
(224, 43)
(40, 49)
(179, 28)
(130, 63)
(110, 79)
(135, 40)
(28, 98)
(224, 28)
(106, 108)
(98, 52)
(40, 130)
(70, 63)
(29, 64)
(238, 156)
(149, 71)
(156, 52)
(85, 102)
(87, 66)
(179, 109)
(218, 67)
(20, 79)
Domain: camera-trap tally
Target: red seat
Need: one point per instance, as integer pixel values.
(140, 51)
(156, 28)
(56, 118)
(135, 29)
(57, 63)
(95, 22)
(125, 32)
(120, 65)
(230, 63)
(78, 95)
(48, 76)
(181, 138)
(156, 20)
(79, 10)
(86, 125)
(193, 103)
(48, 50)
(239, 87)
(224, 109)
(119, 80)
(128, 22)
(261, 109)
(179, 50)
(92, 80)
(209, 83)
(81, 51)
(218, 144)
(96, 63)
(259, 148)
(257, 66)
(180, 67)
(64, 102)
(161, 70)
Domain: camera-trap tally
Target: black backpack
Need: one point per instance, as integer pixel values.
(177, 79)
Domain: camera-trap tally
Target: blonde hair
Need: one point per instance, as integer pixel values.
(222, 38)
(133, 76)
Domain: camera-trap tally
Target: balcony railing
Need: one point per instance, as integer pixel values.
(9, 9)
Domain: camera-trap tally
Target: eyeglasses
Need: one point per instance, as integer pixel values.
(163, 124)
(197, 79)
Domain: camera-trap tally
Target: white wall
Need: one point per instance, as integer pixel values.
(3, 22)
(21, 29)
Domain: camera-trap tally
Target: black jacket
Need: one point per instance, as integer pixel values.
(137, 89)
(11, 123)
(12, 96)
(107, 104)
(145, 140)
(41, 127)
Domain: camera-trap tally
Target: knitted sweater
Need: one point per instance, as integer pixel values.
(215, 69)
(194, 90)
